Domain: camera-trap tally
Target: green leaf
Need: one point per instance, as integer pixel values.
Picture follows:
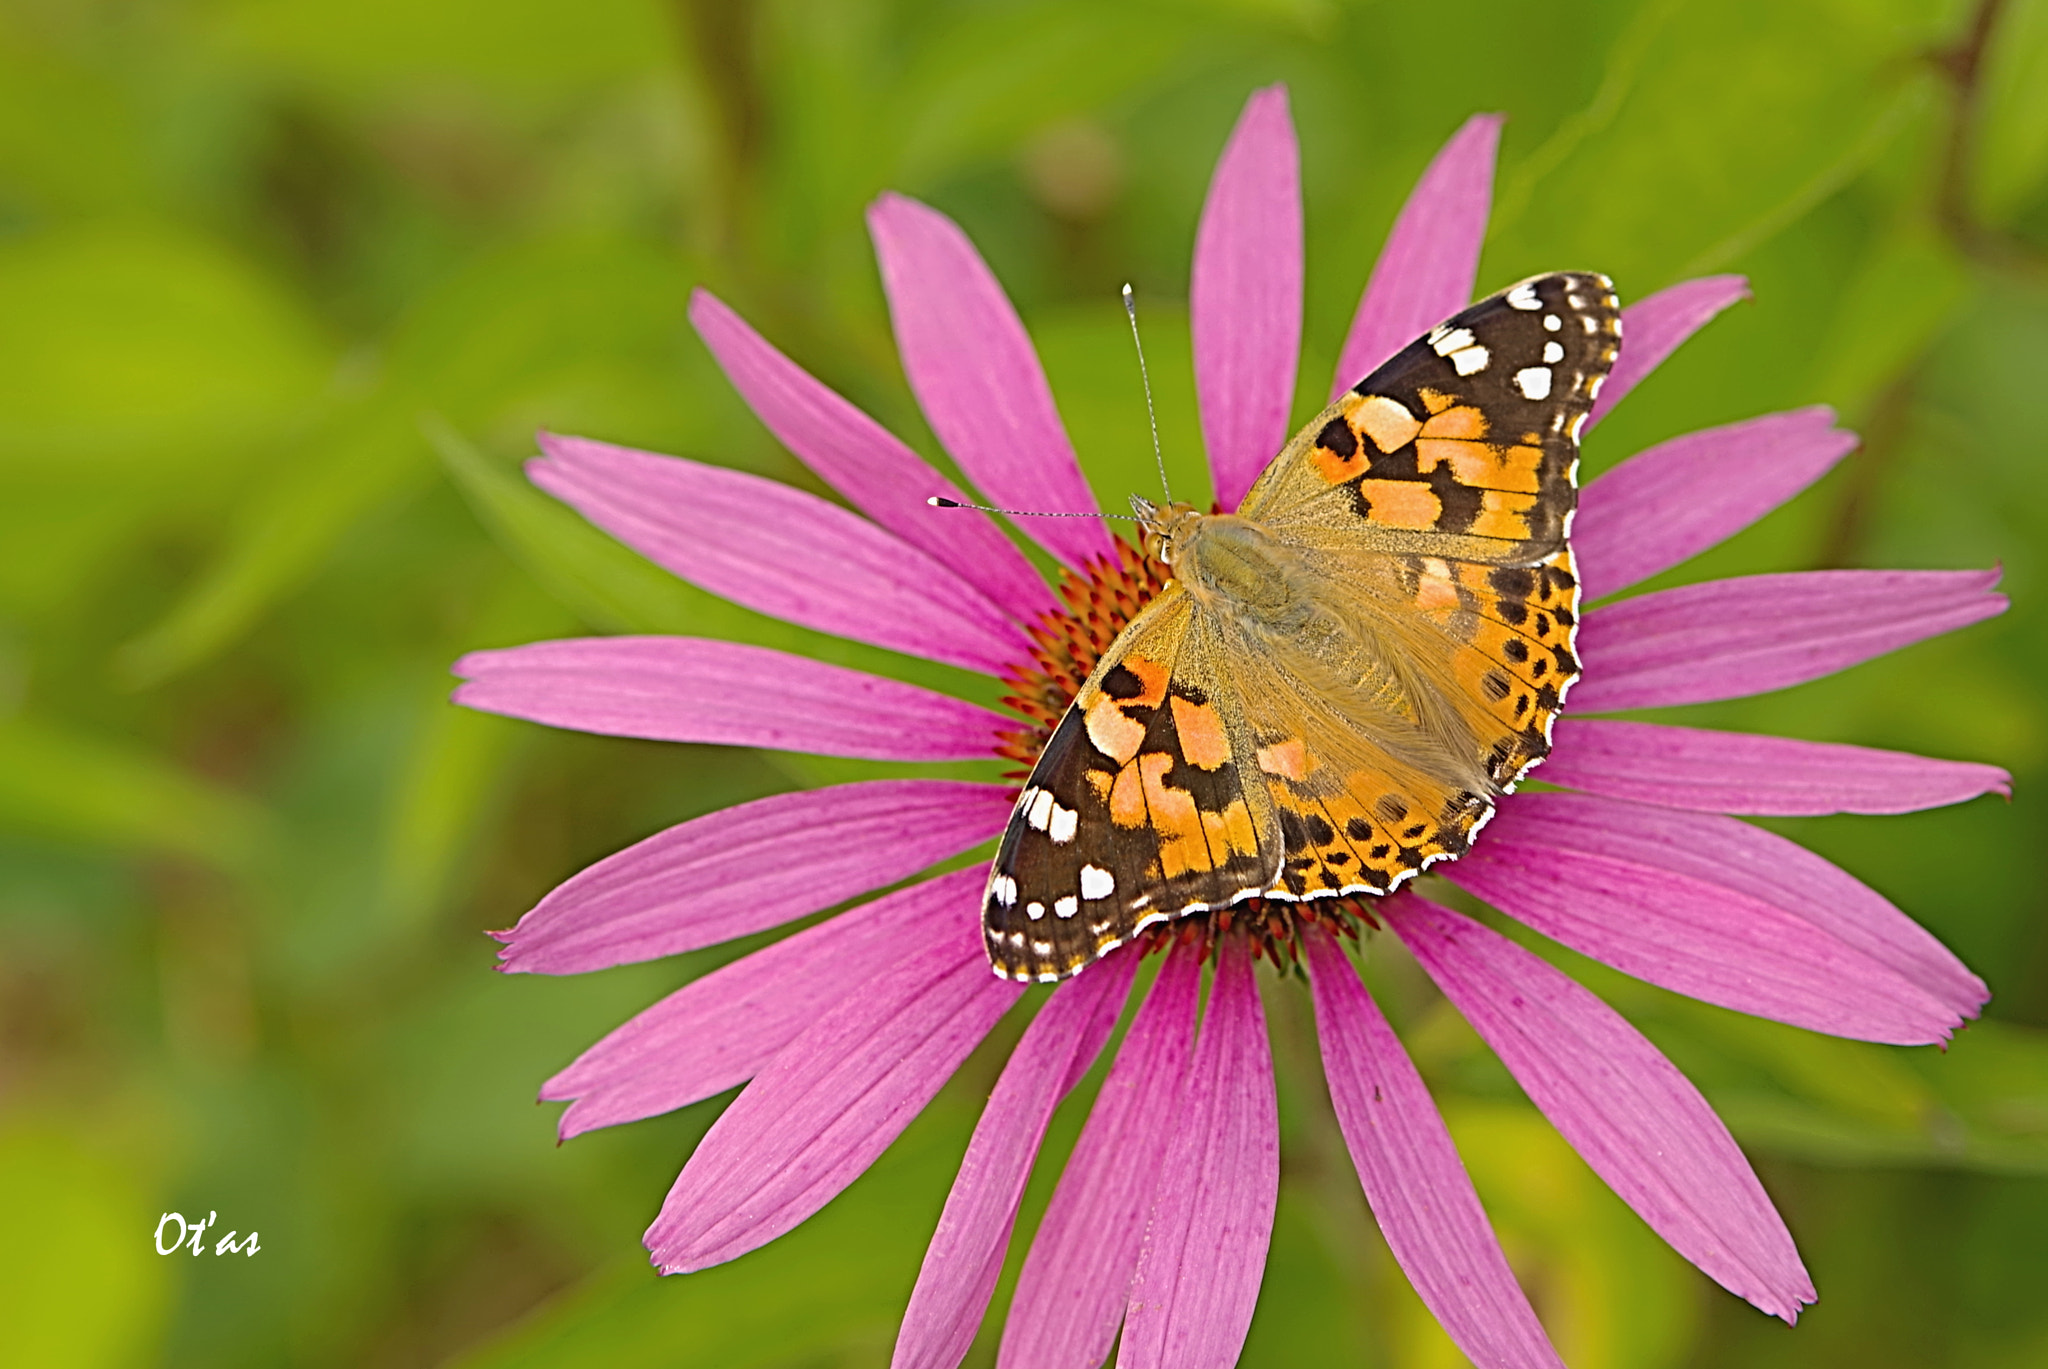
(2012, 114)
(526, 48)
(65, 784)
(1695, 170)
(70, 137)
(81, 1284)
(145, 354)
(1909, 286)
(281, 536)
(983, 81)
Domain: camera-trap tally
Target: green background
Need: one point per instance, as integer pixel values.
(287, 285)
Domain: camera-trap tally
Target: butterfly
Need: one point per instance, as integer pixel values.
(1342, 677)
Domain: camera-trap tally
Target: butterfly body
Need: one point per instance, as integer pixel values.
(1343, 675)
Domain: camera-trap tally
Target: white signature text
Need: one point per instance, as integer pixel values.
(193, 1233)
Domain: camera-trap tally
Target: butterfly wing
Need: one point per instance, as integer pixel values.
(1465, 445)
(1138, 809)
(1204, 762)
(1438, 493)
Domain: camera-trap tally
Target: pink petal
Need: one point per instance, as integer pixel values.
(832, 1101)
(1731, 772)
(1653, 328)
(724, 1028)
(977, 377)
(693, 689)
(865, 462)
(727, 874)
(1673, 501)
(1244, 303)
(1729, 638)
(966, 1253)
(780, 551)
(1761, 865)
(1413, 1179)
(1722, 911)
(1426, 270)
(1638, 1122)
(1205, 1252)
(1070, 1296)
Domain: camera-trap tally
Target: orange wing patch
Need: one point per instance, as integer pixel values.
(1455, 437)
(1400, 504)
(1385, 422)
(1114, 721)
(1159, 741)
(1504, 515)
(1202, 738)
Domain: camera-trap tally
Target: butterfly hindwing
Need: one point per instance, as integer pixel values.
(1360, 805)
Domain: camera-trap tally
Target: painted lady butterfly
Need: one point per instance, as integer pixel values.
(1343, 676)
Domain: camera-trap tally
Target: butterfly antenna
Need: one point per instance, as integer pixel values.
(1131, 312)
(939, 501)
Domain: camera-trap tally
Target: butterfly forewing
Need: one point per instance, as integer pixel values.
(1465, 444)
(1423, 523)
(1137, 810)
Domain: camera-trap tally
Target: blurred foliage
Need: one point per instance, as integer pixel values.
(288, 285)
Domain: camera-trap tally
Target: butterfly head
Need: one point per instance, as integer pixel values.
(1167, 526)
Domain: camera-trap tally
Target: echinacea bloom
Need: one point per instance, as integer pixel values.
(1158, 1228)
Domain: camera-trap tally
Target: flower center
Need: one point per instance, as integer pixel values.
(1100, 601)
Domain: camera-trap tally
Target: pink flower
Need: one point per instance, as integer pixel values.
(1161, 1220)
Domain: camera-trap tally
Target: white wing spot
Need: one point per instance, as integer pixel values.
(1043, 948)
(1591, 324)
(1005, 890)
(1096, 882)
(1064, 822)
(1469, 360)
(1034, 911)
(1447, 341)
(1553, 352)
(1067, 907)
(1533, 382)
(1552, 322)
(1523, 296)
(1040, 812)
